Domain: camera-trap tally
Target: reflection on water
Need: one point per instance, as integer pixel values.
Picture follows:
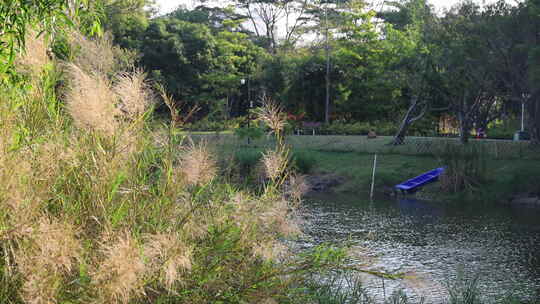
(430, 242)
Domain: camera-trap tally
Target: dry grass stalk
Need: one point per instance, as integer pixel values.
(272, 115)
(270, 250)
(134, 94)
(197, 164)
(91, 102)
(277, 218)
(171, 257)
(297, 187)
(93, 55)
(51, 255)
(275, 163)
(175, 108)
(35, 56)
(120, 276)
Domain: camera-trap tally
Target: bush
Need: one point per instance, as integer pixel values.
(303, 162)
(466, 167)
(206, 125)
(342, 128)
(249, 132)
(247, 160)
(357, 128)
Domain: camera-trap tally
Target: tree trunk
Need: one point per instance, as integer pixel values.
(327, 77)
(463, 129)
(533, 108)
(407, 121)
(399, 138)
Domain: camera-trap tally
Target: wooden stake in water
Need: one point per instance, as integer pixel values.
(373, 176)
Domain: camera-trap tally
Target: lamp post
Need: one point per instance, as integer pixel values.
(244, 81)
(520, 135)
(525, 98)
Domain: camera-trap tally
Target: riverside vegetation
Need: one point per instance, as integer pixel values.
(98, 204)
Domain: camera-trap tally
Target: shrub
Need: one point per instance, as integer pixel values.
(247, 160)
(504, 130)
(249, 132)
(304, 162)
(358, 128)
(465, 167)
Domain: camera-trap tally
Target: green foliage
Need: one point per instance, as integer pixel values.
(199, 64)
(465, 291)
(20, 18)
(358, 128)
(208, 124)
(126, 20)
(465, 167)
(247, 160)
(340, 287)
(303, 161)
(503, 130)
(254, 132)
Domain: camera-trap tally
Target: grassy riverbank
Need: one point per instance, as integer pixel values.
(504, 177)
(510, 167)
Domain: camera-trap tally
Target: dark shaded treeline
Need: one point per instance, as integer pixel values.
(405, 63)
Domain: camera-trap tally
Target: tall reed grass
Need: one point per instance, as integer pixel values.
(95, 209)
(466, 167)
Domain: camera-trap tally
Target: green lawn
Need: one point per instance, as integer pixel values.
(504, 177)
(511, 166)
(497, 149)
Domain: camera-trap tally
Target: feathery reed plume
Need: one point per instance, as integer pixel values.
(275, 162)
(272, 115)
(277, 218)
(93, 55)
(120, 276)
(51, 255)
(197, 164)
(175, 108)
(297, 187)
(170, 256)
(270, 250)
(91, 102)
(135, 96)
(35, 55)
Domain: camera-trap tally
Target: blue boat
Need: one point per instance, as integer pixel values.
(414, 184)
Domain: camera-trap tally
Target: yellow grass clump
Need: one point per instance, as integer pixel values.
(297, 187)
(82, 221)
(95, 104)
(272, 115)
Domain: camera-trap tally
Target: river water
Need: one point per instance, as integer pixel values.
(432, 243)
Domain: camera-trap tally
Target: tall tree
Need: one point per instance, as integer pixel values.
(464, 65)
(126, 19)
(268, 17)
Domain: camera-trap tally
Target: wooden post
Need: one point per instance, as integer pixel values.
(373, 176)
